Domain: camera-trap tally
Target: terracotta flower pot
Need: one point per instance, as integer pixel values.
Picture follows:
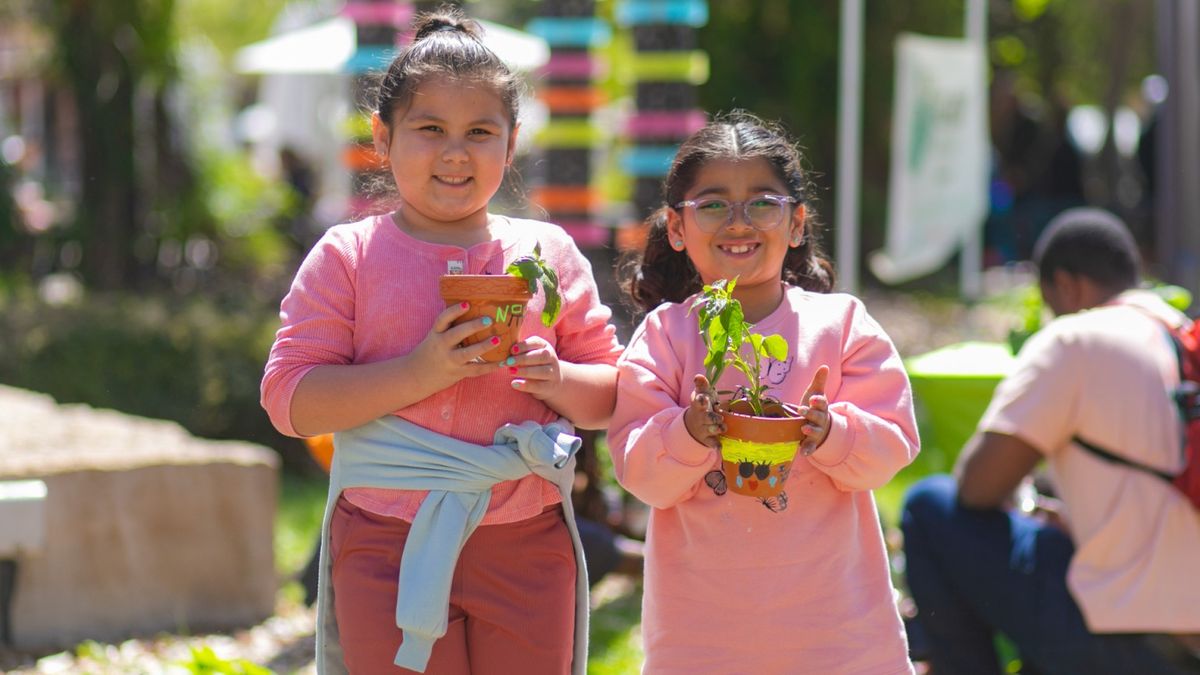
(501, 297)
(757, 452)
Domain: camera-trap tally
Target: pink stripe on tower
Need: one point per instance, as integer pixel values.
(378, 13)
(674, 123)
(572, 65)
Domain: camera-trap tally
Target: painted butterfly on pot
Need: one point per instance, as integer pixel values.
(715, 479)
(777, 503)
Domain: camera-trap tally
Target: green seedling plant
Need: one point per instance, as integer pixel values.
(725, 332)
(534, 270)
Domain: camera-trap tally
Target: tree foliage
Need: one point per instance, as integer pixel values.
(779, 58)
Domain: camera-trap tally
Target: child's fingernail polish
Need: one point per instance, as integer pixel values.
(509, 361)
(512, 371)
(516, 348)
(516, 384)
(496, 340)
(464, 305)
(487, 320)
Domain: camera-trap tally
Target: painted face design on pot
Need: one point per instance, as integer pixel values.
(773, 501)
(755, 479)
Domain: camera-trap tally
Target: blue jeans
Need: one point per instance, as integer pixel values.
(975, 572)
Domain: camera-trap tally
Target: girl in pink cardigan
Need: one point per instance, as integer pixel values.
(366, 335)
(798, 584)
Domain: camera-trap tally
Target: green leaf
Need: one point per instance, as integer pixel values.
(736, 326)
(527, 269)
(551, 309)
(534, 270)
(777, 347)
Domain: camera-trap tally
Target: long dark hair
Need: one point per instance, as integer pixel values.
(449, 44)
(660, 274)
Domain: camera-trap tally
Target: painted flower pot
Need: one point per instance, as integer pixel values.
(501, 297)
(757, 452)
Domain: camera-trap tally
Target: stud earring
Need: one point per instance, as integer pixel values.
(678, 245)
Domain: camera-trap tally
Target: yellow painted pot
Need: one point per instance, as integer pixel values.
(757, 452)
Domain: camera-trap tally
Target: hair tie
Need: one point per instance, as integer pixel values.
(446, 27)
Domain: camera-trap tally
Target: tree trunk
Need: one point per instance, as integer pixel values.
(102, 80)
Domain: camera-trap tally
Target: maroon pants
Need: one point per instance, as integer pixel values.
(512, 600)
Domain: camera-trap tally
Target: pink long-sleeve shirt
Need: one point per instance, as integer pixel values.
(368, 292)
(731, 586)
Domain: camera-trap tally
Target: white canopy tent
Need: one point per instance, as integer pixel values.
(326, 47)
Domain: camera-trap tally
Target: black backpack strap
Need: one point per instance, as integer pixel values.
(1117, 459)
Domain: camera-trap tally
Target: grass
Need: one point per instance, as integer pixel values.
(301, 506)
(615, 645)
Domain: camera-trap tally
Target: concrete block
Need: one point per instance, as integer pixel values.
(147, 528)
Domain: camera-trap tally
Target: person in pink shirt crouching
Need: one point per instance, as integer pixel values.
(1101, 578)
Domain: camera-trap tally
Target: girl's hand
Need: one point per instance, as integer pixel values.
(535, 369)
(815, 409)
(440, 359)
(702, 420)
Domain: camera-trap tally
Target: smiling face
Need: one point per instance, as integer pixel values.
(739, 250)
(448, 151)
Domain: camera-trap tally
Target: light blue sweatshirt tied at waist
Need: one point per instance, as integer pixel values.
(393, 453)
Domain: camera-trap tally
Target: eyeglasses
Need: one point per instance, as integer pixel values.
(764, 212)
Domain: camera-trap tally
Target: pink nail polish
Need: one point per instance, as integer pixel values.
(464, 305)
(512, 371)
(516, 348)
(495, 340)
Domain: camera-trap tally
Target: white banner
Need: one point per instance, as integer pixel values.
(938, 188)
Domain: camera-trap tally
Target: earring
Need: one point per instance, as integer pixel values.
(678, 244)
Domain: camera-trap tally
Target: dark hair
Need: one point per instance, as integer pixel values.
(1092, 243)
(446, 43)
(660, 274)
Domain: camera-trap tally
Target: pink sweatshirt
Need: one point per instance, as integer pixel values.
(368, 292)
(730, 585)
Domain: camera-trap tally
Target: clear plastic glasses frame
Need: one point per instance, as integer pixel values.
(764, 212)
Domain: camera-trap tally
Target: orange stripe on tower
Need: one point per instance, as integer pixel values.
(571, 99)
(566, 199)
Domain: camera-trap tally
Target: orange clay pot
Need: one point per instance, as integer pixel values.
(501, 297)
(757, 452)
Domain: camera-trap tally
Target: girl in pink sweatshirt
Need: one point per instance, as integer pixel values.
(797, 583)
(366, 335)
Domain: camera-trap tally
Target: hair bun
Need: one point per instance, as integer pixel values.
(449, 19)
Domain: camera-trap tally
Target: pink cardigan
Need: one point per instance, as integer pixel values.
(730, 585)
(368, 292)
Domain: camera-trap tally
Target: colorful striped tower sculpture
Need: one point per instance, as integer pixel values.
(567, 87)
(665, 70)
(378, 26)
